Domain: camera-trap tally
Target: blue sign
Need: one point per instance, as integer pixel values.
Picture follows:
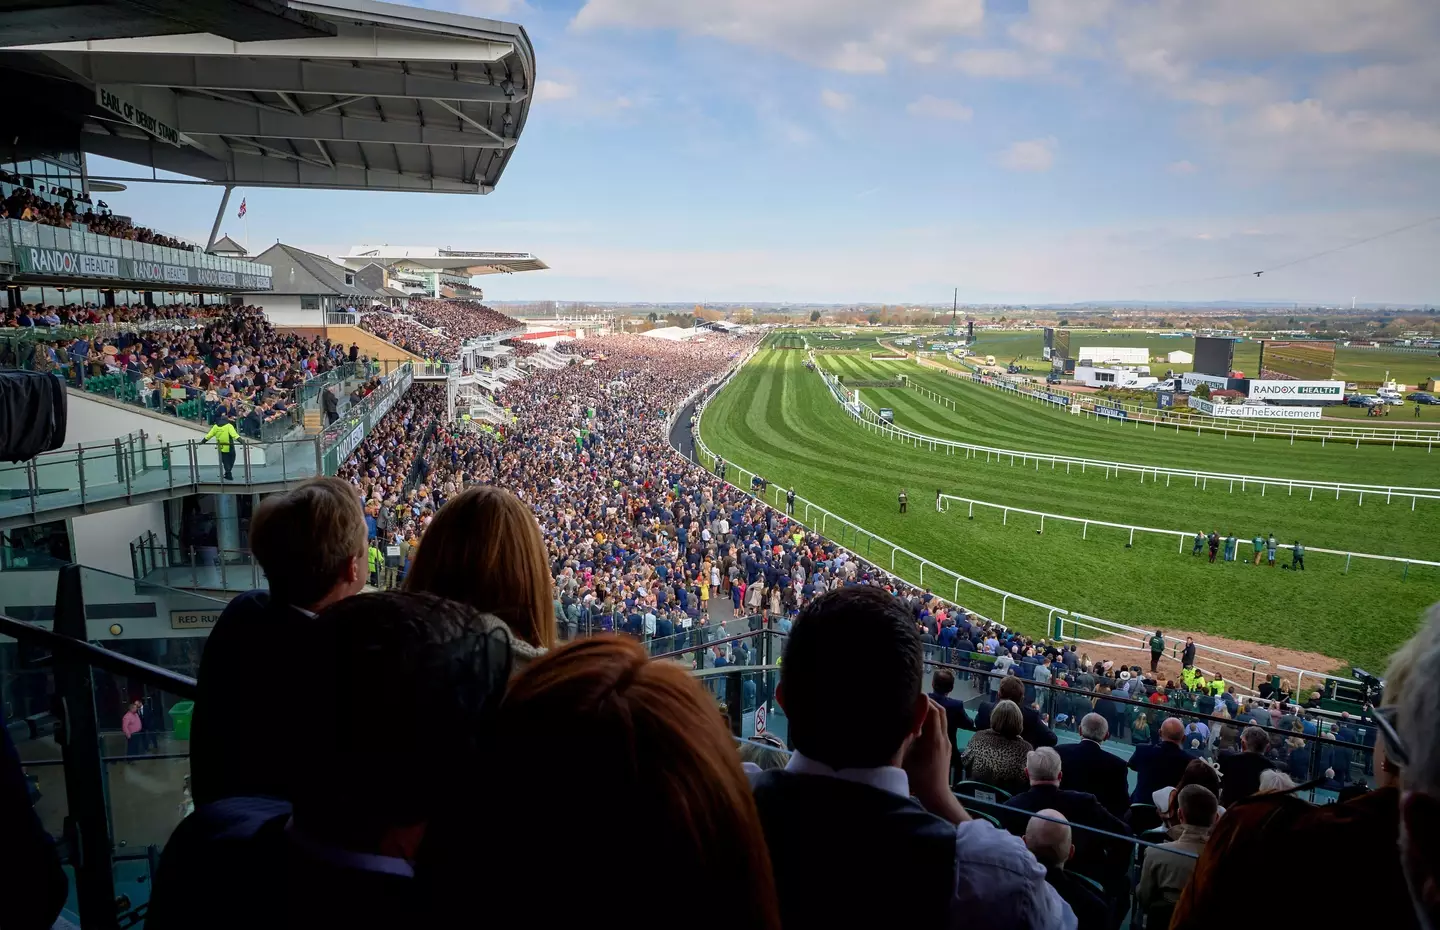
(1059, 400)
(1164, 400)
(1110, 412)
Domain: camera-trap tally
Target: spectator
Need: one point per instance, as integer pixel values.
(1089, 768)
(484, 548)
(28, 859)
(642, 735)
(996, 755)
(1415, 745)
(1240, 771)
(1166, 873)
(1095, 857)
(1161, 765)
(1167, 800)
(311, 544)
(942, 683)
(370, 776)
(1036, 732)
(841, 815)
(1049, 839)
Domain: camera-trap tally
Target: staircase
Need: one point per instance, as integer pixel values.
(546, 358)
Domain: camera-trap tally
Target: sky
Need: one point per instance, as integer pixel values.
(888, 151)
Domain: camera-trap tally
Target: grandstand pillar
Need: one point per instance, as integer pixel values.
(219, 214)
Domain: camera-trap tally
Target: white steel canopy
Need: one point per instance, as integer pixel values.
(455, 261)
(397, 99)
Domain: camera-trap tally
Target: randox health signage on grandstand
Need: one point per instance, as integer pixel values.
(1298, 390)
(67, 263)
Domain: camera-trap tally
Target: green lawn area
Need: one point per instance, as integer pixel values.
(1351, 364)
(779, 419)
(986, 416)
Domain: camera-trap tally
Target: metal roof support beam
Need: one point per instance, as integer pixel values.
(199, 117)
(290, 102)
(219, 214)
(467, 119)
(324, 152)
(342, 102)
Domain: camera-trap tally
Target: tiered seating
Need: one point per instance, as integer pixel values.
(27, 199)
(411, 336)
(462, 320)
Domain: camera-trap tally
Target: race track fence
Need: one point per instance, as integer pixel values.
(1200, 479)
(1184, 535)
(1056, 617)
(1188, 421)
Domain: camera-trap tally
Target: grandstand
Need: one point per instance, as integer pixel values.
(435, 272)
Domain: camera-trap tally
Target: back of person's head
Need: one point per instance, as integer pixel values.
(1094, 726)
(943, 681)
(1254, 739)
(403, 686)
(823, 639)
(1049, 840)
(1198, 805)
(1273, 780)
(1042, 766)
(1200, 772)
(1012, 689)
(1172, 730)
(311, 542)
(1417, 723)
(484, 548)
(1006, 719)
(604, 754)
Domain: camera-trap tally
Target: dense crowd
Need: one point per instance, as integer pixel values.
(462, 320)
(25, 204)
(43, 315)
(410, 336)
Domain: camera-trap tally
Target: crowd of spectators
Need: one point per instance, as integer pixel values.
(410, 336)
(462, 320)
(49, 315)
(25, 204)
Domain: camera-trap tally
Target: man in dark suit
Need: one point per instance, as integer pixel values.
(942, 683)
(1160, 766)
(1036, 733)
(340, 851)
(1049, 839)
(1089, 768)
(1095, 857)
(311, 542)
(1240, 771)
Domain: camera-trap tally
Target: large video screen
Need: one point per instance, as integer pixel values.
(1297, 361)
(1061, 345)
(1214, 356)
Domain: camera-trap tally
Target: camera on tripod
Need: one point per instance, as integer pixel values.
(1374, 687)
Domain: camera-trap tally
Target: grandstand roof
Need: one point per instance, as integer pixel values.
(457, 261)
(297, 271)
(670, 333)
(397, 98)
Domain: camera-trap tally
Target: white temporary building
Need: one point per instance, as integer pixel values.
(1180, 357)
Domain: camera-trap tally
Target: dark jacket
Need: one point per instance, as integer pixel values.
(1157, 767)
(250, 659)
(235, 865)
(33, 407)
(1086, 766)
(956, 716)
(1094, 856)
(34, 882)
(840, 850)
(1091, 910)
(1036, 733)
(1240, 775)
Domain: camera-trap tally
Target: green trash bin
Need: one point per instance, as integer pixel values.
(181, 712)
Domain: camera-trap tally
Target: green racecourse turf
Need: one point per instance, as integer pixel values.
(1351, 364)
(779, 419)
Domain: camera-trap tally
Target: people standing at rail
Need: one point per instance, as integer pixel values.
(903, 500)
(1297, 557)
(1270, 547)
(1259, 543)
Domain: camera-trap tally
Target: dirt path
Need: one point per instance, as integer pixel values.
(1275, 655)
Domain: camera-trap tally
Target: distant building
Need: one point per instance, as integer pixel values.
(426, 271)
(1180, 357)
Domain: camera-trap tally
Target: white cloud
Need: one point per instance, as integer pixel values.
(1340, 136)
(1181, 167)
(835, 100)
(858, 36)
(999, 63)
(928, 107)
(553, 90)
(1030, 155)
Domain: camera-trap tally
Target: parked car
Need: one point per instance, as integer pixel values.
(1420, 397)
(1362, 400)
(1392, 399)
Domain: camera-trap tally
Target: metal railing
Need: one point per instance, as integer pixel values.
(199, 267)
(869, 418)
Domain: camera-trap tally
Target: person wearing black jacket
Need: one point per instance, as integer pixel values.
(35, 885)
(1089, 768)
(1160, 766)
(1036, 733)
(1187, 657)
(1094, 857)
(1240, 771)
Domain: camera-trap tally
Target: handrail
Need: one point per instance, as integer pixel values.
(116, 663)
(1201, 479)
(1184, 535)
(1191, 421)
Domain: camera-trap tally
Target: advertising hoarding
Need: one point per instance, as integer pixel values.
(1297, 390)
(1190, 380)
(68, 263)
(1254, 411)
